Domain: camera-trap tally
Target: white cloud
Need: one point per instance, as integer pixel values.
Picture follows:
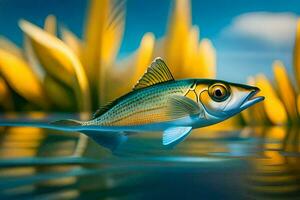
(277, 29)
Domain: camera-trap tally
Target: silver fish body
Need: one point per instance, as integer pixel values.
(145, 106)
(159, 102)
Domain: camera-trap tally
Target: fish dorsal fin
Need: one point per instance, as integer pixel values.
(175, 134)
(157, 72)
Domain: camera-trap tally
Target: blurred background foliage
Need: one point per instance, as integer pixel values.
(57, 71)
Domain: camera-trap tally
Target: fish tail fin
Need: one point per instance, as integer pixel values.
(67, 122)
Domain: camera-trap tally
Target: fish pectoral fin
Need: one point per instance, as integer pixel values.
(109, 140)
(181, 106)
(175, 134)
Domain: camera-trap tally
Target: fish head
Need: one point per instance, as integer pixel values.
(222, 100)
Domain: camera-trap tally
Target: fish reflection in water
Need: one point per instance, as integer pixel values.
(254, 163)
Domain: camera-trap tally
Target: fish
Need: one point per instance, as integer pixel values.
(158, 102)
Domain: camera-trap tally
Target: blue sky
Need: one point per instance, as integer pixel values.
(247, 34)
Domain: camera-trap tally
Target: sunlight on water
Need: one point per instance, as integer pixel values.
(253, 162)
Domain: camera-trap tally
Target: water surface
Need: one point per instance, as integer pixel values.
(236, 163)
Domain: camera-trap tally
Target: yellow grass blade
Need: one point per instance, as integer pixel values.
(117, 72)
(296, 56)
(112, 33)
(32, 59)
(273, 107)
(103, 34)
(61, 96)
(298, 103)
(206, 65)
(144, 56)
(50, 24)
(191, 54)
(247, 116)
(177, 36)
(72, 41)
(50, 27)
(9, 46)
(93, 38)
(59, 61)
(285, 89)
(5, 96)
(21, 78)
(97, 14)
(50, 51)
(111, 42)
(159, 50)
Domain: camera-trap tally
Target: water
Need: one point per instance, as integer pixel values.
(239, 163)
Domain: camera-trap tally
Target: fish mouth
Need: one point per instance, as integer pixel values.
(252, 99)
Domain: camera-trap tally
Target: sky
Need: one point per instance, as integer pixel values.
(248, 34)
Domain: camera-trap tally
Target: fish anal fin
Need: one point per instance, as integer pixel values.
(175, 134)
(109, 140)
(157, 72)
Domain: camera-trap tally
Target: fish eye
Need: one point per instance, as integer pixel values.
(218, 92)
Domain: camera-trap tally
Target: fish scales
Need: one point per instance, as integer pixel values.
(143, 106)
